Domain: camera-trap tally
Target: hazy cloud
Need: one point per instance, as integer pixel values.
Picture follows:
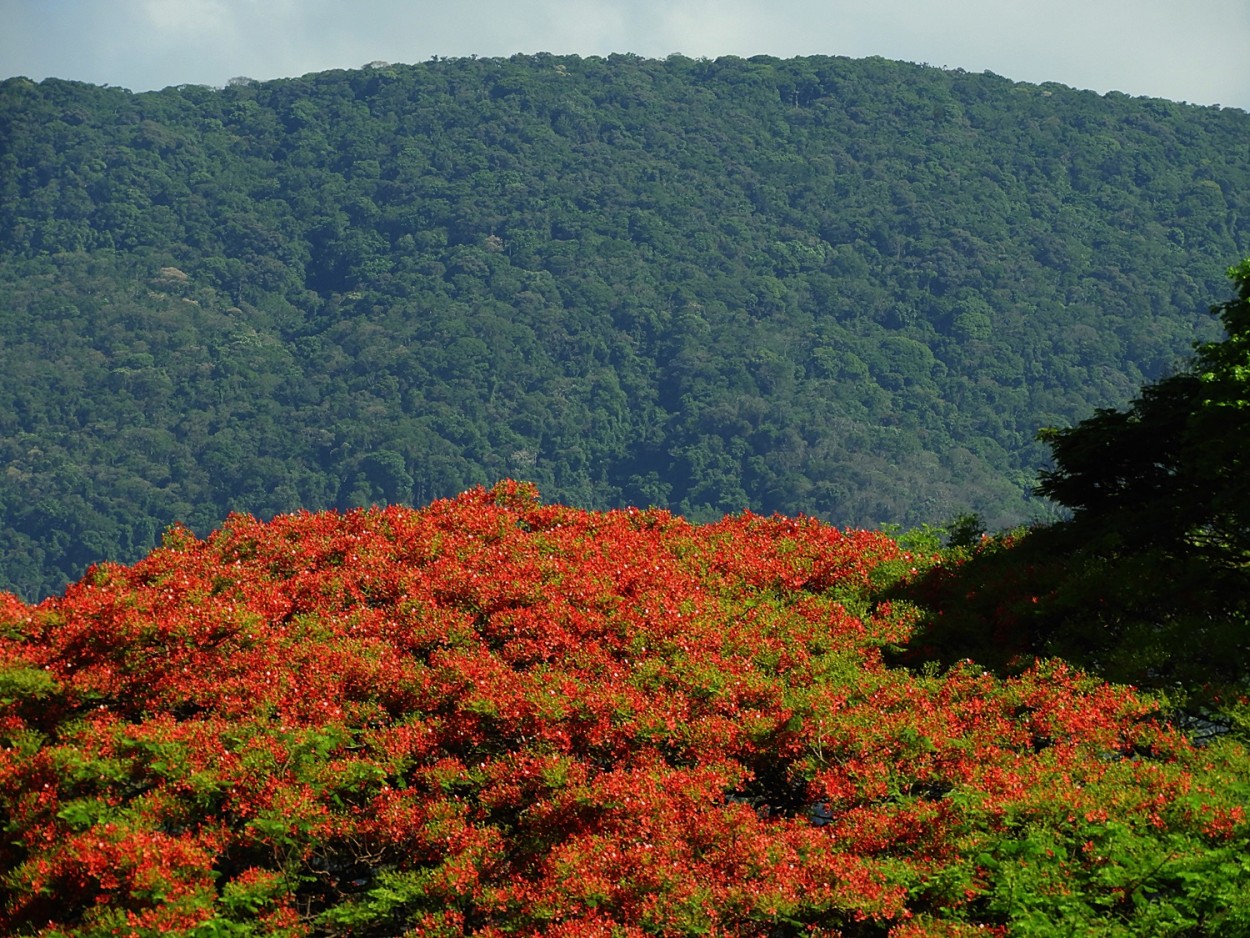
(1185, 51)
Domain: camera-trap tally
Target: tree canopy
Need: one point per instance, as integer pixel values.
(497, 717)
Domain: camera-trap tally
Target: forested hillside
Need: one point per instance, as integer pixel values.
(853, 289)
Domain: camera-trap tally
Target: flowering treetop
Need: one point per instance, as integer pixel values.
(493, 717)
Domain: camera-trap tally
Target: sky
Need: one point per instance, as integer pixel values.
(1183, 50)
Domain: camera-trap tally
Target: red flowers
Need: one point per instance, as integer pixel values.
(496, 716)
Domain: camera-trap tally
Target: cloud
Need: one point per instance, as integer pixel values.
(171, 21)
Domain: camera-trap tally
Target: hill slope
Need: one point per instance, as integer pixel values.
(853, 289)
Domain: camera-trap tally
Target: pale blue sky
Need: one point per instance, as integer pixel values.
(1185, 50)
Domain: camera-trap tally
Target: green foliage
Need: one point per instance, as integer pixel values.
(18, 683)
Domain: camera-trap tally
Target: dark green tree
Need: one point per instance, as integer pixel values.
(1170, 472)
(1148, 581)
(1150, 578)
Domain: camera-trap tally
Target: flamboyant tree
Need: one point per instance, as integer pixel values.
(495, 717)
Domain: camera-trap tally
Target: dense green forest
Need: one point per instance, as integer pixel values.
(853, 289)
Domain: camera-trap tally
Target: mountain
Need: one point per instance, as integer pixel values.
(852, 289)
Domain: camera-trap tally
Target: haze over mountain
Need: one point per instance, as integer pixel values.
(851, 288)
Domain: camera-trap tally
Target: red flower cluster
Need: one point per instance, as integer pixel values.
(496, 717)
